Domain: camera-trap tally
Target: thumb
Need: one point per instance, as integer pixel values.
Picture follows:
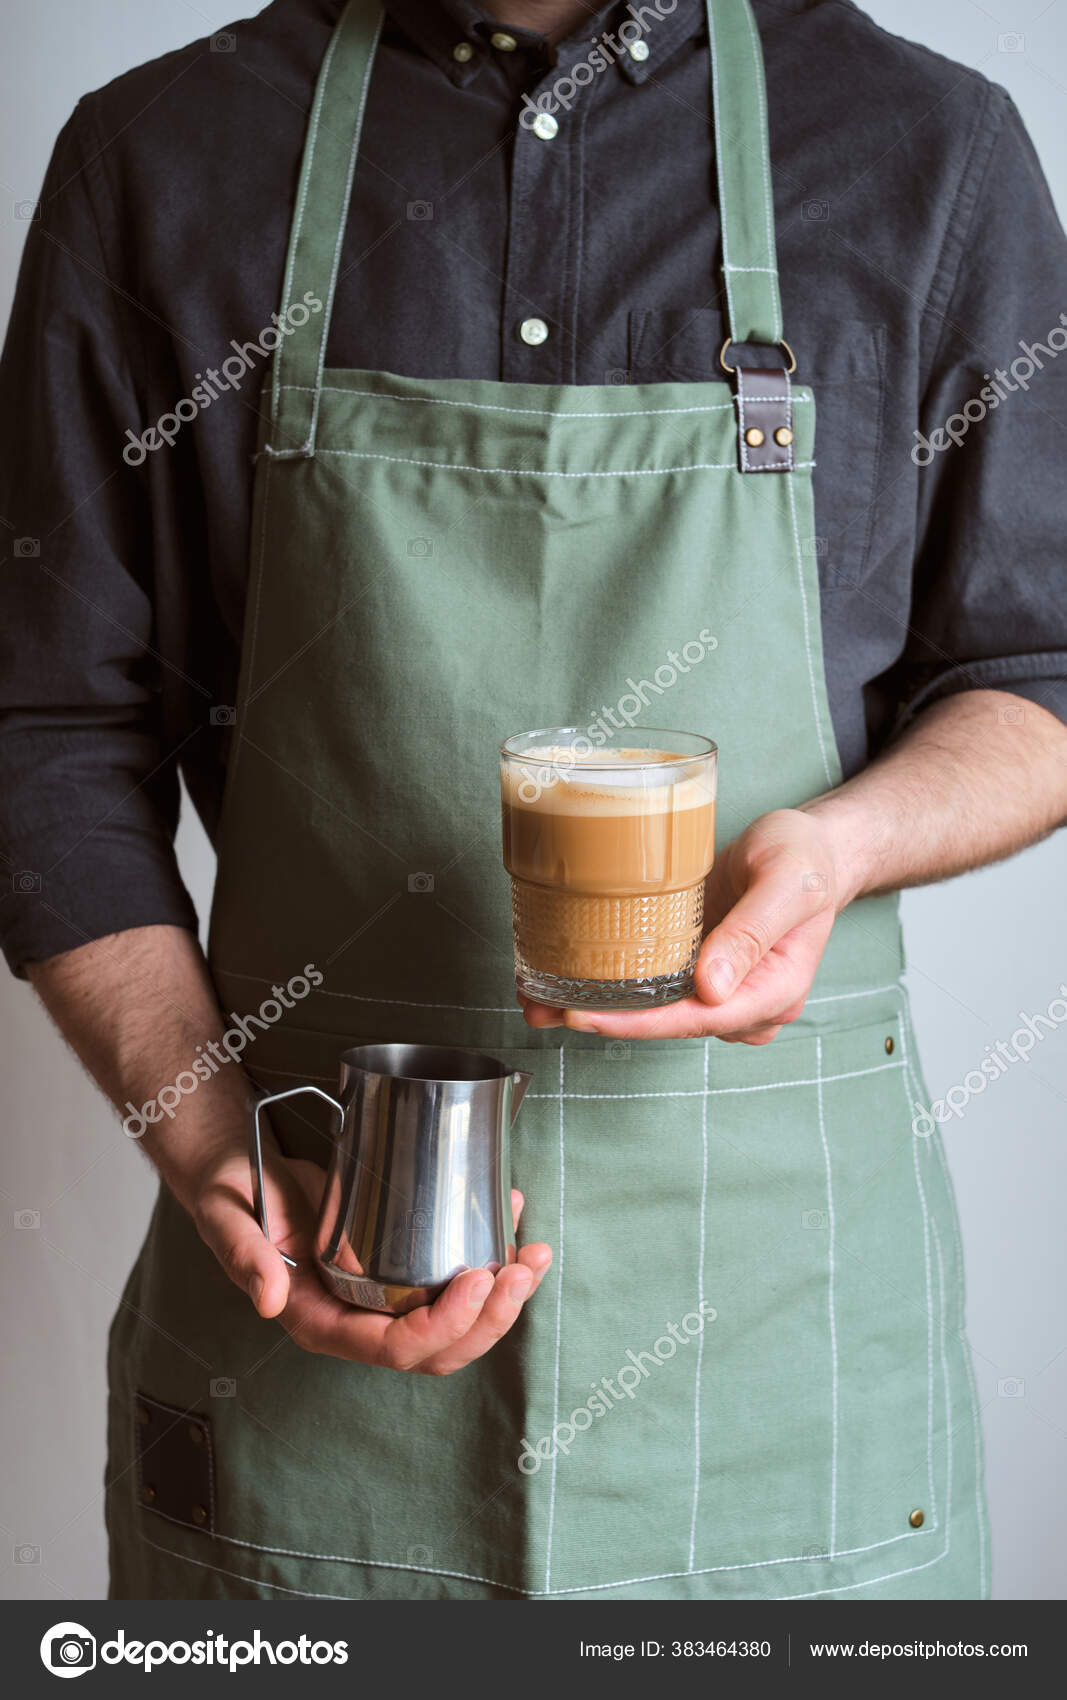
(775, 902)
(247, 1256)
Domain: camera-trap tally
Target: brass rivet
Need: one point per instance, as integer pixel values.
(144, 1415)
(463, 51)
(503, 42)
(196, 1434)
(783, 436)
(889, 1046)
(916, 1519)
(754, 437)
(200, 1514)
(148, 1494)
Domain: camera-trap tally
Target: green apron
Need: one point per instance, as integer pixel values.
(745, 1375)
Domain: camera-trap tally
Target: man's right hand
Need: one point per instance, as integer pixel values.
(137, 1007)
(475, 1310)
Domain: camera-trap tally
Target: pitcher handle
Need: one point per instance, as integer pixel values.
(259, 1192)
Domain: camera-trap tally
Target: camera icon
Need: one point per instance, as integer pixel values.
(68, 1649)
(224, 42)
(25, 882)
(817, 1550)
(27, 548)
(1012, 715)
(617, 375)
(816, 1220)
(618, 1050)
(28, 212)
(420, 212)
(814, 882)
(419, 548)
(27, 1555)
(817, 546)
(816, 212)
(420, 882)
(1011, 42)
(1011, 1388)
(420, 1555)
(223, 715)
(223, 1387)
(27, 1219)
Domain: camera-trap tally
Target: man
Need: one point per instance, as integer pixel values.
(464, 526)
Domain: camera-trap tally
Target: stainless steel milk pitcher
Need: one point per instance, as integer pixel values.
(419, 1182)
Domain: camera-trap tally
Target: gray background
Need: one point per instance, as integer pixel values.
(982, 949)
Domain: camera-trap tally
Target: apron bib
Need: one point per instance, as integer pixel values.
(746, 1374)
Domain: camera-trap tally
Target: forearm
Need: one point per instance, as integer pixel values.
(974, 779)
(135, 1007)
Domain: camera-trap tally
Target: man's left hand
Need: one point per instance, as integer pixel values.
(772, 898)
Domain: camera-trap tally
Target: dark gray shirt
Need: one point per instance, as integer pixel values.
(918, 246)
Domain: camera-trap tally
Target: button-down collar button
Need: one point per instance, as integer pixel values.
(463, 51)
(505, 43)
(545, 126)
(534, 332)
(638, 50)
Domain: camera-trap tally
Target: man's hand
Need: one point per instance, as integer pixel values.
(475, 1310)
(974, 778)
(771, 898)
(135, 1007)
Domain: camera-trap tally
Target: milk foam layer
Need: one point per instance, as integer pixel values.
(555, 779)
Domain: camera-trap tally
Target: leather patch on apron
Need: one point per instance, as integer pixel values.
(765, 419)
(175, 1462)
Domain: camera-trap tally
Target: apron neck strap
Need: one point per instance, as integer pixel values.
(746, 204)
(322, 199)
(743, 163)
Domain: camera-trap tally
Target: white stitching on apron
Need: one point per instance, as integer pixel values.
(342, 223)
(559, 1336)
(835, 997)
(929, 1302)
(721, 1091)
(533, 1593)
(534, 412)
(807, 633)
(850, 1587)
(290, 265)
(964, 1345)
(253, 1581)
(544, 472)
(700, 1307)
(835, 1367)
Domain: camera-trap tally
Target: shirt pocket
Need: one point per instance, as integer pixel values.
(844, 362)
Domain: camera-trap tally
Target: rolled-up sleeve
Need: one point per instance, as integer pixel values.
(88, 783)
(988, 608)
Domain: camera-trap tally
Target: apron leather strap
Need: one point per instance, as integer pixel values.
(746, 204)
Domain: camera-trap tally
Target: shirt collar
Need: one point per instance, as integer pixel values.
(438, 27)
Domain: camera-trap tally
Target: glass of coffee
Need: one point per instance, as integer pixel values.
(608, 845)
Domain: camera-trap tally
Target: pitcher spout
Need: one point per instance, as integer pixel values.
(519, 1083)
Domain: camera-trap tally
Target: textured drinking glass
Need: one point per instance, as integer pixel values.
(608, 845)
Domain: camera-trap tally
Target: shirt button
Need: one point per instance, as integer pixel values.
(534, 332)
(463, 51)
(506, 43)
(545, 126)
(638, 50)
